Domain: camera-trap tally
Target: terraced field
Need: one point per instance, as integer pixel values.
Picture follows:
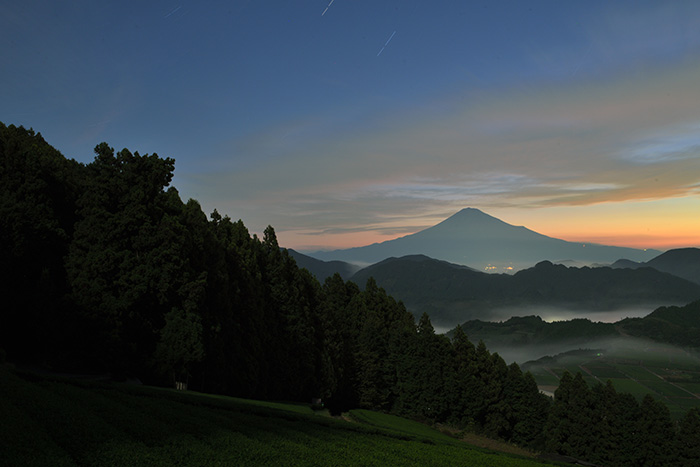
(67, 423)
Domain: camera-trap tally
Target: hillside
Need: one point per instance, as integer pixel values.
(476, 239)
(451, 294)
(673, 324)
(681, 262)
(323, 269)
(64, 422)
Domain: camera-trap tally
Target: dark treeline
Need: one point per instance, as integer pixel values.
(105, 268)
(610, 428)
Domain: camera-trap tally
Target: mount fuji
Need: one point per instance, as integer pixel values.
(476, 239)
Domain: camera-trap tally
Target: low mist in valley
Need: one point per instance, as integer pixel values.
(530, 353)
(552, 313)
(523, 341)
(547, 313)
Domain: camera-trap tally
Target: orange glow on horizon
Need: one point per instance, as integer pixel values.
(343, 241)
(662, 224)
(657, 224)
(301, 241)
(638, 241)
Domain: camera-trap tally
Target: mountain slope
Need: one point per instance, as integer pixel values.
(472, 237)
(323, 269)
(451, 293)
(672, 324)
(681, 262)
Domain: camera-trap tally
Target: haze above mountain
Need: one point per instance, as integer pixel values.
(476, 239)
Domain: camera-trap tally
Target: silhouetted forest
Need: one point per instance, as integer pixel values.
(106, 269)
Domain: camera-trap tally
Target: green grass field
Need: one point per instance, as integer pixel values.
(637, 389)
(62, 422)
(636, 372)
(604, 372)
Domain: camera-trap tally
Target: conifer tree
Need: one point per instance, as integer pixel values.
(688, 444)
(655, 434)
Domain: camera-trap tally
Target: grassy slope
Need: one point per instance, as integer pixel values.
(48, 422)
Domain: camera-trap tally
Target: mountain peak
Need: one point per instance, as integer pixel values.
(471, 212)
(476, 215)
(470, 221)
(473, 238)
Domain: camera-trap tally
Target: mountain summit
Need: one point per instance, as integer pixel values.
(476, 239)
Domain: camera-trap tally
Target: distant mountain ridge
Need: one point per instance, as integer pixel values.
(476, 239)
(452, 293)
(681, 262)
(323, 269)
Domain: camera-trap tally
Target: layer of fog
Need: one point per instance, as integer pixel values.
(529, 352)
(622, 345)
(548, 314)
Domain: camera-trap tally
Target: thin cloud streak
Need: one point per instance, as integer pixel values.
(327, 7)
(387, 43)
(172, 12)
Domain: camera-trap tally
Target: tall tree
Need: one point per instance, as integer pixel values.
(528, 408)
(122, 270)
(688, 447)
(655, 434)
(341, 330)
(38, 189)
(424, 363)
(567, 428)
(180, 343)
(466, 387)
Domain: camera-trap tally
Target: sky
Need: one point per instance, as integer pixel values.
(343, 123)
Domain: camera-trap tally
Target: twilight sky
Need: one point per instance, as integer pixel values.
(347, 122)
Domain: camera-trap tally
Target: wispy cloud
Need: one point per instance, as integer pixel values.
(667, 145)
(569, 145)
